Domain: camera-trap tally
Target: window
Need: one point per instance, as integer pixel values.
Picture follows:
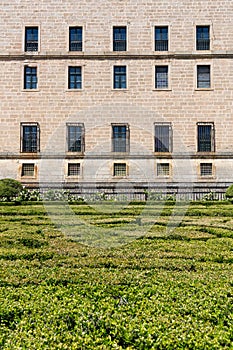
(75, 77)
(119, 169)
(75, 137)
(120, 138)
(161, 38)
(161, 77)
(163, 169)
(30, 77)
(119, 81)
(206, 169)
(205, 136)
(203, 77)
(73, 169)
(119, 38)
(202, 37)
(75, 39)
(31, 39)
(30, 138)
(28, 169)
(163, 137)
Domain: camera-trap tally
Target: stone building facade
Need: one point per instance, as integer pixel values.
(117, 93)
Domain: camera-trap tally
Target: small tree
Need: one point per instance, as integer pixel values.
(229, 192)
(9, 188)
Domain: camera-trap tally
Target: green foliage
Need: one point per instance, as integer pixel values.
(229, 192)
(162, 291)
(9, 188)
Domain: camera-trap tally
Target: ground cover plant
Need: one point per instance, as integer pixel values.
(164, 290)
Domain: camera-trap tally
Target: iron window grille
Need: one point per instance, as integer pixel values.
(120, 138)
(75, 137)
(75, 39)
(119, 77)
(202, 37)
(163, 137)
(30, 77)
(161, 77)
(73, 169)
(119, 169)
(205, 137)
(203, 77)
(119, 38)
(163, 169)
(28, 169)
(30, 138)
(161, 38)
(206, 169)
(31, 39)
(75, 77)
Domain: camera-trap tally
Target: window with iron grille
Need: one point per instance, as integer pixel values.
(202, 37)
(163, 169)
(30, 77)
(75, 77)
(206, 169)
(31, 39)
(75, 137)
(203, 77)
(73, 169)
(120, 138)
(161, 38)
(28, 169)
(119, 38)
(163, 137)
(119, 79)
(161, 77)
(75, 39)
(29, 138)
(119, 169)
(205, 137)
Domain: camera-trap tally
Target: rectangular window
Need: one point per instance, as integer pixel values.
(206, 169)
(161, 38)
(31, 39)
(75, 137)
(119, 169)
(205, 136)
(202, 37)
(203, 77)
(119, 79)
(161, 77)
(119, 38)
(120, 138)
(30, 77)
(73, 169)
(163, 169)
(30, 138)
(75, 39)
(163, 138)
(28, 170)
(75, 77)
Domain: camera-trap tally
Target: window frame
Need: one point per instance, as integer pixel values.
(127, 137)
(126, 37)
(160, 175)
(25, 41)
(68, 78)
(210, 87)
(170, 137)
(82, 140)
(30, 124)
(33, 176)
(69, 38)
(206, 175)
(168, 87)
(25, 88)
(212, 137)
(154, 37)
(114, 169)
(73, 175)
(196, 40)
(126, 78)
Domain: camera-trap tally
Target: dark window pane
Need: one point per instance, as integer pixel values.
(161, 77)
(120, 142)
(204, 138)
(31, 39)
(75, 78)
(203, 77)
(162, 138)
(161, 39)
(29, 142)
(75, 38)
(119, 169)
(28, 169)
(202, 38)
(73, 169)
(206, 169)
(75, 138)
(120, 77)
(30, 77)
(119, 39)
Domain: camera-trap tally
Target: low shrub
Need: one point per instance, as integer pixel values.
(229, 192)
(9, 188)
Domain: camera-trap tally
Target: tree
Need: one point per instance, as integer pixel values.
(229, 192)
(9, 188)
